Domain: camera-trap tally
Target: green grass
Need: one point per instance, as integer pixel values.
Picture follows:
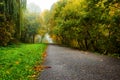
(17, 61)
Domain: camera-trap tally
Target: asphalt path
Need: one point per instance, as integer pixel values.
(69, 64)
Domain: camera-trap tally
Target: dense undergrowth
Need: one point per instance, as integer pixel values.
(17, 61)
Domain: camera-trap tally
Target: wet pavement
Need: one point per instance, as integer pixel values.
(69, 64)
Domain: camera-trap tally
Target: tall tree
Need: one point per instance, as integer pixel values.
(11, 16)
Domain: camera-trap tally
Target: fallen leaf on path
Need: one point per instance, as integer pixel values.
(44, 55)
(46, 67)
(41, 68)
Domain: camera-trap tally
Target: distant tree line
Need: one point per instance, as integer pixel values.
(33, 25)
(18, 24)
(87, 24)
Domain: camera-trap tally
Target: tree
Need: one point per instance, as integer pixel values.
(31, 27)
(87, 24)
(11, 19)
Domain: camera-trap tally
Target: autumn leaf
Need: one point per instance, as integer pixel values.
(17, 62)
(41, 68)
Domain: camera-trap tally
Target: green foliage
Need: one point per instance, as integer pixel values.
(31, 26)
(18, 61)
(11, 13)
(87, 24)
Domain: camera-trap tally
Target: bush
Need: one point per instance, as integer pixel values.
(6, 31)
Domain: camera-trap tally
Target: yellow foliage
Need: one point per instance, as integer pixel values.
(17, 62)
(114, 8)
(74, 43)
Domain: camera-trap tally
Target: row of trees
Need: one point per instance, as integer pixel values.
(33, 25)
(20, 23)
(11, 20)
(87, 24)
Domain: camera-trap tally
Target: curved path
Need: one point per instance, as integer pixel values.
(69, 64)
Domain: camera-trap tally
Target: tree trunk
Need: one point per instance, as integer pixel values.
(33, 38)
(86, 44)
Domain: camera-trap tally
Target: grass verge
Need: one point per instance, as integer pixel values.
(17, 61)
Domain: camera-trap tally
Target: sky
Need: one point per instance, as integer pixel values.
(43, 4)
